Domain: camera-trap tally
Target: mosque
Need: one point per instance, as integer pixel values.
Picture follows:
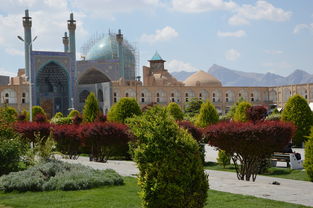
(61, 83)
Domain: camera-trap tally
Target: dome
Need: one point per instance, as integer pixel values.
(202, 78)
(107, 49)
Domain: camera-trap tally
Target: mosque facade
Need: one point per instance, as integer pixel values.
(61, 83)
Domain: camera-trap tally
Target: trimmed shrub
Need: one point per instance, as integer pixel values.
(207, 116)
(256, 113)
(241, 111)
(298, 112)
(230, 114)
(308, 159)
(57, 175)
(33, 131)
(73, 113)
(58, 115)
(168, 158)
(192, 107)
(67, 139)
(249, 144)
(123, 109)
(175, 111)
(37, 110)
(195, 132)
(223, 158)
(104, 138)
(62, 120)
(273, 117)
(10, 155)
(91, 108)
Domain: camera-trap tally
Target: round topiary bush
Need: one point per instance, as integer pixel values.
(37, 110)
(123, 109)
(298, 112)
(169, 161)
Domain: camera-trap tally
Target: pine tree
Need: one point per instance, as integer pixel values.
(241, 111)
(175, 111)
(207, 116)
(91, 108)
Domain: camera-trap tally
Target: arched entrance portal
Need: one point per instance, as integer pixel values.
(52, 85)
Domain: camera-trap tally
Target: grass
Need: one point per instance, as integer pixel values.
(277, 172)
(123, 197)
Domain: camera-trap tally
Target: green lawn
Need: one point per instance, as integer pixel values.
(123, 197)
(273, 172)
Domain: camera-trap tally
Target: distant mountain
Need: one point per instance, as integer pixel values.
(230, 77)
(182, 75)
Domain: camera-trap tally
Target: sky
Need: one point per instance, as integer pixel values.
(253, 36)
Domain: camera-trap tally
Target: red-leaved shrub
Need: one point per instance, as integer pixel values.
(256, 113)
(104, 138)
(67, 138)
(195, 132)
(32, 131)
(249, 143)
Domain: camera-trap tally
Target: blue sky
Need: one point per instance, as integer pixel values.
(254, 36)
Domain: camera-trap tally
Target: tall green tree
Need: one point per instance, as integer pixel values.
(241, 112)
(298, 112)
(192, 107)
(91, 108)
(37, 110)
(208, 115)
(168, 158)
(123, 109)
(308, 159)
(175, 111)
(230, 114)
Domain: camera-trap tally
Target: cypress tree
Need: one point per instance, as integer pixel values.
(207, 116)
(91, 108)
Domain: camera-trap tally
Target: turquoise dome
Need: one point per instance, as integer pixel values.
(107, 49)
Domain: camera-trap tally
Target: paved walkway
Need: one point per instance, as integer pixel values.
(291, 191)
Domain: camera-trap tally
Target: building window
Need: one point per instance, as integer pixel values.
(114, 100)
(158, 97)
(186, 99)
(306, 96)
(227, 100)
(239, 94)
(126, 95)
(23, 94)
(172, 95)
(252, 99)
(173, 99)
(6, 95)
(213, 99)
(142, 97)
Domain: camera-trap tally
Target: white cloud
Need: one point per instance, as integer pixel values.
(5, 72)
(49, 22)
(298, 28)
(232, 55)
(197, 6)
(164, 34)
(237, 34)
(273, 52)
(261, 11)
(14, 52)
(176, 66)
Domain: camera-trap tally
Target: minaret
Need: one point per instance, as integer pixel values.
(71, 25)
(65, 42)
(156, 62)
(27, 24)
(119, 38)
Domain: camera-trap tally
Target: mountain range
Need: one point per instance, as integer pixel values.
(230, 77)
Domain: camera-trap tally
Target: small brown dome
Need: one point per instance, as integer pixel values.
(202, 78)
